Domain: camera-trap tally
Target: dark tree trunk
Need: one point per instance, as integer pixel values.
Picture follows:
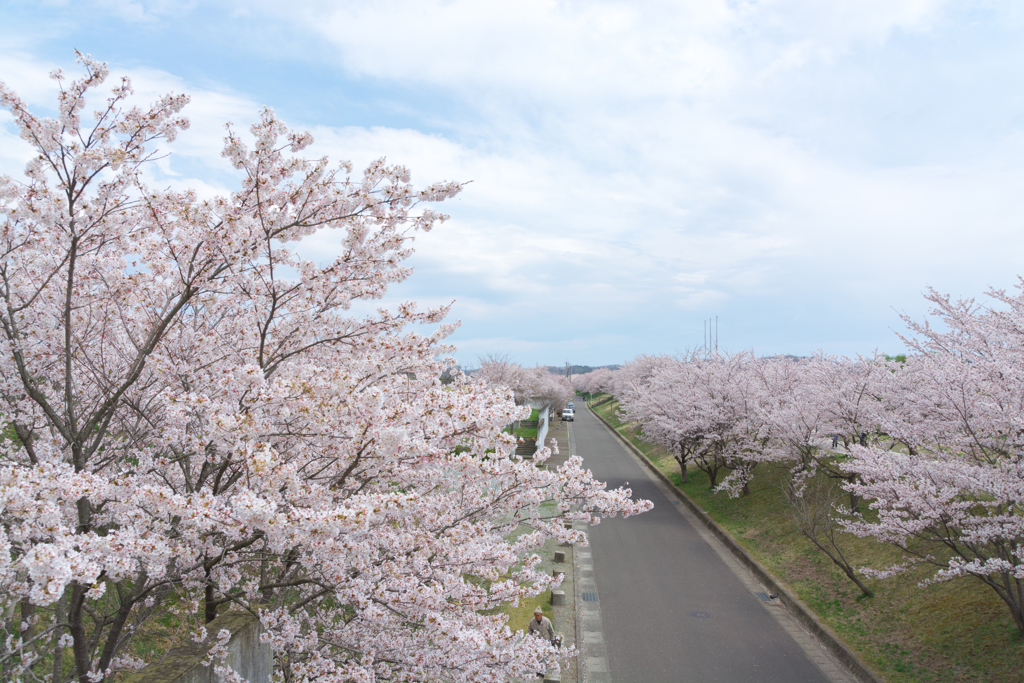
(1012, 593)
(58, 652)
(80, 643)
(856, 579)
(211, 603)
(117, 628)
(840, 561)
(681, 459)
(28, 610)
(854, 498)
(712, 475)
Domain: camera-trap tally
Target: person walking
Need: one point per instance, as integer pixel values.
(541, 626)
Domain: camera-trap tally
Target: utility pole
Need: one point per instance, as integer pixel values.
(711, 336)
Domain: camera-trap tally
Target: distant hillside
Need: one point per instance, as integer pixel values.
(579, 369)
(559, 369)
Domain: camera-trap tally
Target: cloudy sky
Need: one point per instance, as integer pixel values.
(802, 169)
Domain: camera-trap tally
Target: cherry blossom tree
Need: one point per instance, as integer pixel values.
(952, 498)
(814, 508)
(499, 370)
(849, 394)
(849, 398)
(662, 403)
(194, 422)
(703, 408)
(547, 388)
(600, 380)
(536, 384)
(797, 414)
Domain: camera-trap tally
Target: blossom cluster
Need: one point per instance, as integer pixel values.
(537, 384)
(194, 422)
(932, 442)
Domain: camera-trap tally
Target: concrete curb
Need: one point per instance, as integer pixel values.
(581, 660)
(796, 606)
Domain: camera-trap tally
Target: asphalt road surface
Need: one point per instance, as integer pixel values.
(672, 610)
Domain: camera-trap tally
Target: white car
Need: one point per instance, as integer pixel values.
(567, 414)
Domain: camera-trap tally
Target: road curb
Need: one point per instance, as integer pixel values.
(581, 670)
(795, 606)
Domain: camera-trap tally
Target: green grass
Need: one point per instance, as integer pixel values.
(526, 432)
(956, 631)
(519, 615)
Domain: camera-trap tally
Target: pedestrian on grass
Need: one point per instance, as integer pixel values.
(540, 625)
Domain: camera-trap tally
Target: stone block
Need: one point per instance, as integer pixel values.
(559, 556)
(557, 598)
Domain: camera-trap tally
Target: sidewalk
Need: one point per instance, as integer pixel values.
(564, 616)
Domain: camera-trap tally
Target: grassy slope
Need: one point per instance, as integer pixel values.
(954, 631)
(519, 615)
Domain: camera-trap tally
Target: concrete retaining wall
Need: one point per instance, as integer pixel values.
(246, 655)
(542, 426)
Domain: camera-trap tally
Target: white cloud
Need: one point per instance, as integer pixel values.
(605, 50)
(143, 11)
(661, 158)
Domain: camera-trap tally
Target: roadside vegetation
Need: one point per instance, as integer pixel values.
(958, 630)
(526, 432)
(520, 612)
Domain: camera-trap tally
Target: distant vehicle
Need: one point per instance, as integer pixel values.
(571, 405)
(567, 414)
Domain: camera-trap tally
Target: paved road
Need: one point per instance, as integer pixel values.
(672, 610)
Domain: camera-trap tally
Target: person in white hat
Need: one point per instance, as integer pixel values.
(540, 625)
